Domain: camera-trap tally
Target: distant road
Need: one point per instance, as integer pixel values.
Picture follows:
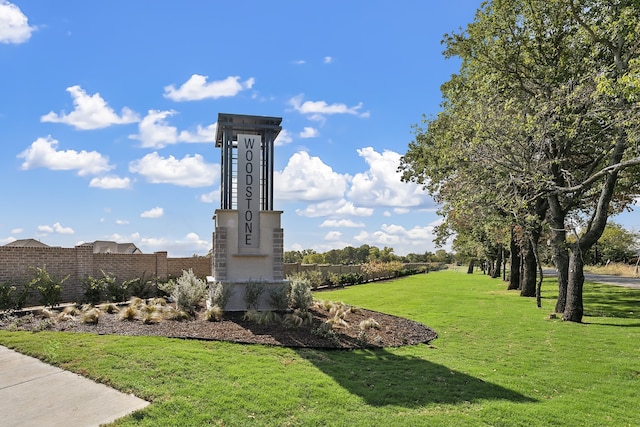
(627, 282)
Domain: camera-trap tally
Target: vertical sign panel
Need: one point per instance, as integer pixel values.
(249, 192)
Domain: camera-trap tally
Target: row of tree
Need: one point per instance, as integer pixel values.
(362, 255)
(539, 131)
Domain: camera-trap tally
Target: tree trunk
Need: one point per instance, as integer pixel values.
(496, 271)
(529, 273)
(514, 267)
(470, 269)
(574, 309)
(559, 251)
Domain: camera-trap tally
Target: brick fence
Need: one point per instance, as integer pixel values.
(80, 262)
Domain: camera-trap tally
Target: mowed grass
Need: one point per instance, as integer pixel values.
(499, 360)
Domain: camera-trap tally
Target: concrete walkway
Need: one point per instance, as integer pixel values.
(33, 393)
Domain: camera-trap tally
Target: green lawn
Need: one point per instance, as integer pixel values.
(498, 361)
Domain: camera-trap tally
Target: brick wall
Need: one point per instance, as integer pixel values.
(79, 262)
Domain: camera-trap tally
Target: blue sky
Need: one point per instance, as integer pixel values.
(108, 111)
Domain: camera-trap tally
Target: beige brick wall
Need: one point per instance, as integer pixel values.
(16, 265)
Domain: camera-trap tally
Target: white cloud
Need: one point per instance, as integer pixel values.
(417, 239)
(7, 240)
(333, 236)
(308, 178)
(91, 112)
(42, 153)
(56, 228)
(323, 108)
(190, 171)
(202, 134)
(328, 60)
(381, 184)
(197, 88)
(17, 230)
(309, 132)
(110, 182)
(212, 197)
(332, 208)
(156, 212)
(347, 223)
(14, 25)
(189, 245)
(122, 222)
(299, 62)
(155, 132)
(283, 138)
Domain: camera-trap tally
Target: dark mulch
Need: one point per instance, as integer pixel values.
(392, 331)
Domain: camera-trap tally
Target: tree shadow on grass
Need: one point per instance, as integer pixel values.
(382, 378)
(601, 300)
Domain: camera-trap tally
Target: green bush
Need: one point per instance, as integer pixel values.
(252, 293)
(116, 292)
(49, 287)
(300, 296)
(93, 290)
(189, 291)
(141, 287)
(279, 297)
(13, 297)
(219, 295)
(7, 295)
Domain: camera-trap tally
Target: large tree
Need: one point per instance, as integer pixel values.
(544, 112)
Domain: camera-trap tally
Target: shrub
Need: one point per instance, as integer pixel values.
(214, 314)
(166, 288)
(370, 323)
(116, 292)
(92, 316)
(171, 313)
(315, 278)
(189, 291)
(350, 279)
(141, 287)
(219, 294)
(333, 280)
(279, 297)
(300, 296)
(252, 293)
(49, 287)
(130, 312)
(7, 296)
(108, 307)
(93, 289)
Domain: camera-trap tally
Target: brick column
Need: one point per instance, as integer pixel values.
(278, 254)
(219, 269)
(162, 265)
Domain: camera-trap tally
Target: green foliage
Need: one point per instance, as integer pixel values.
(300, 297)
(219, 294)
(141, 287)
(279, 297)
(252, 293)
(189, 291)
(167, 288)
(13, 297)
(49, 287)
(93, 289)
(615, 245)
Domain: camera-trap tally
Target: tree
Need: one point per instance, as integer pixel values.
(544, 113)
(615, 245)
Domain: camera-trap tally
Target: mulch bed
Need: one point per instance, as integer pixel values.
(393, 331)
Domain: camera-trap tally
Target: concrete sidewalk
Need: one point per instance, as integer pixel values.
(33, 393)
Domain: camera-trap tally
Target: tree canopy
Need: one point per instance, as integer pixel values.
(540, 127)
